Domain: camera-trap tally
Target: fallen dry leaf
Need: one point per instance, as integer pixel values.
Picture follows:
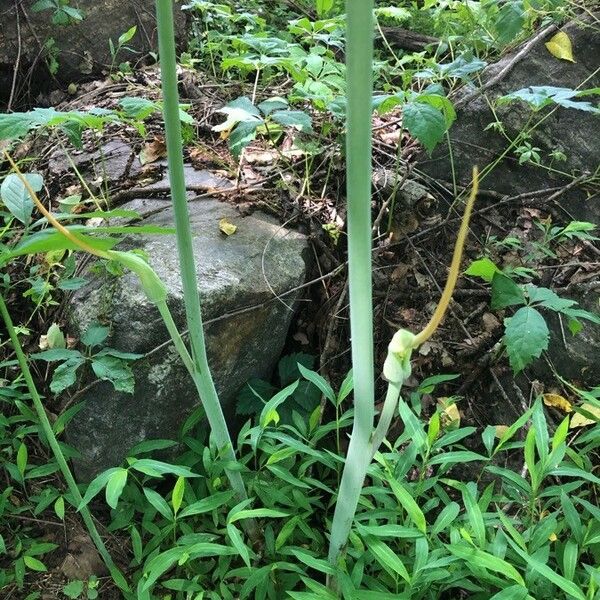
(557, 401)
(226, 227)
(560, 46)
(580, 420)
(153, 151)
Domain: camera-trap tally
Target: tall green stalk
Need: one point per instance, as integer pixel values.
(57, 451)
(359, 59)
(203, 380)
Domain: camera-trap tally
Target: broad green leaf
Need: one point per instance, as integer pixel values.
(483, 268)
(547, 298)
(127, 36)
(457, 456)
(34, 564)
(15, 196)
(74, 589)
(511, 20)
(426, 123)
(114, 487)
(526, 337)
(242, 134)
(50, 240)
(293, 118)
(65, 375)
(505, 292)
(115, 370)
(150, 446)
(95, 335)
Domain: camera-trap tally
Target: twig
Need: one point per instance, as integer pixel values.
(17, 60)
(522, 53)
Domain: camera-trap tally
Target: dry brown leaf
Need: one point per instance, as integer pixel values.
(153, 151)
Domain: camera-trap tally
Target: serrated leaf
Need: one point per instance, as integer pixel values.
(65, 375)
(505, 292)
(560, 46)
(115, 370)
(293, 118)
(526, 337)
(483, 268)
(94, 335)
(73, 590)
(15, 196)
(424, 122)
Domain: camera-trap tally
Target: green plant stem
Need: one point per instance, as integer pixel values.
(57, 451)
(386, 416)
(203, 380)
(359, 53)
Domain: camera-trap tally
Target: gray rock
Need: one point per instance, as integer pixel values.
(567, 130)
(240, 280)
(81, 47)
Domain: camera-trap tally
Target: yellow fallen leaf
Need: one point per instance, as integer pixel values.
(450, 413)
(501, 430)
(552, 537)
(560, 46)
(580, 420)
(557, 401)
(226, 227)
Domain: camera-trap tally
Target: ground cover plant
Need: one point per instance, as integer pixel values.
(309, 499)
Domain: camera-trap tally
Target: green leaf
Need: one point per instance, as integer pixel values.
(319, 381)
(114, 487)
(318, 564)
(177, 495)
(425, 123)
(238, 543)
(293, 118)
(159, 503)
(474, 515)
(22, 458)
(409, 505)
(445, 518)
(269, 411)
(34, 564)
(207, 504)
(511, 20)
(257, 513)
(387, 558)
(96, 485)
(547, 298)
(242, 134)
(545, 571)
(73, 590)
(474, 557)
(95, 335)
(50, 240)
(526, 337)
(15, 196)
(127, 36)
(150, 446)
(115, 370)
(65, 374)
(156, 468)
(505, 292)
(483, 268)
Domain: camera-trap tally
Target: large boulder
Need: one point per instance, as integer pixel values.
(78, 50)
(242, 280)
(566, 130)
